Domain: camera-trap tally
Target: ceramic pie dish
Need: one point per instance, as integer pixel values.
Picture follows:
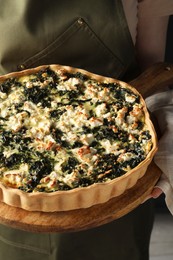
(122, 130)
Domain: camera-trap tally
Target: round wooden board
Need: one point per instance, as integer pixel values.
(76, 220)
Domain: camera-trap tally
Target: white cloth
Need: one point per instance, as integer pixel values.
(161, 105)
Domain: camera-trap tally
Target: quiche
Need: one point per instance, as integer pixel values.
(70, 139)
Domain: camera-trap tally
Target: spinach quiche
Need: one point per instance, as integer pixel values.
(70, 139)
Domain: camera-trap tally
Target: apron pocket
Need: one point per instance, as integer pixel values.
(79, 47)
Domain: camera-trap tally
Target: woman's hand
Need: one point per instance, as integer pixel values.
(156, 192)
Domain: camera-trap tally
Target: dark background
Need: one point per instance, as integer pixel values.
(169, 47)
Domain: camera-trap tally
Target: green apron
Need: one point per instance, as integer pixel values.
(92, 35)
(86, 34)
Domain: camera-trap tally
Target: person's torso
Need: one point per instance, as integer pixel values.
(92, 36)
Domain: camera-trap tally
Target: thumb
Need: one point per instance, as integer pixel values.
(156, 192)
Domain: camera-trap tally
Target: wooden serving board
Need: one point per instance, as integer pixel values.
(150, 81)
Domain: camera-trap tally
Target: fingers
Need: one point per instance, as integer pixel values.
(156, 193)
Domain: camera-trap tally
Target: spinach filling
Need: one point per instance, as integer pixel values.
(37, 171)
(7, 85)
(43, 91)
(37, 95)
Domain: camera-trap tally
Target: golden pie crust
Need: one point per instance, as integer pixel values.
(83, 197)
